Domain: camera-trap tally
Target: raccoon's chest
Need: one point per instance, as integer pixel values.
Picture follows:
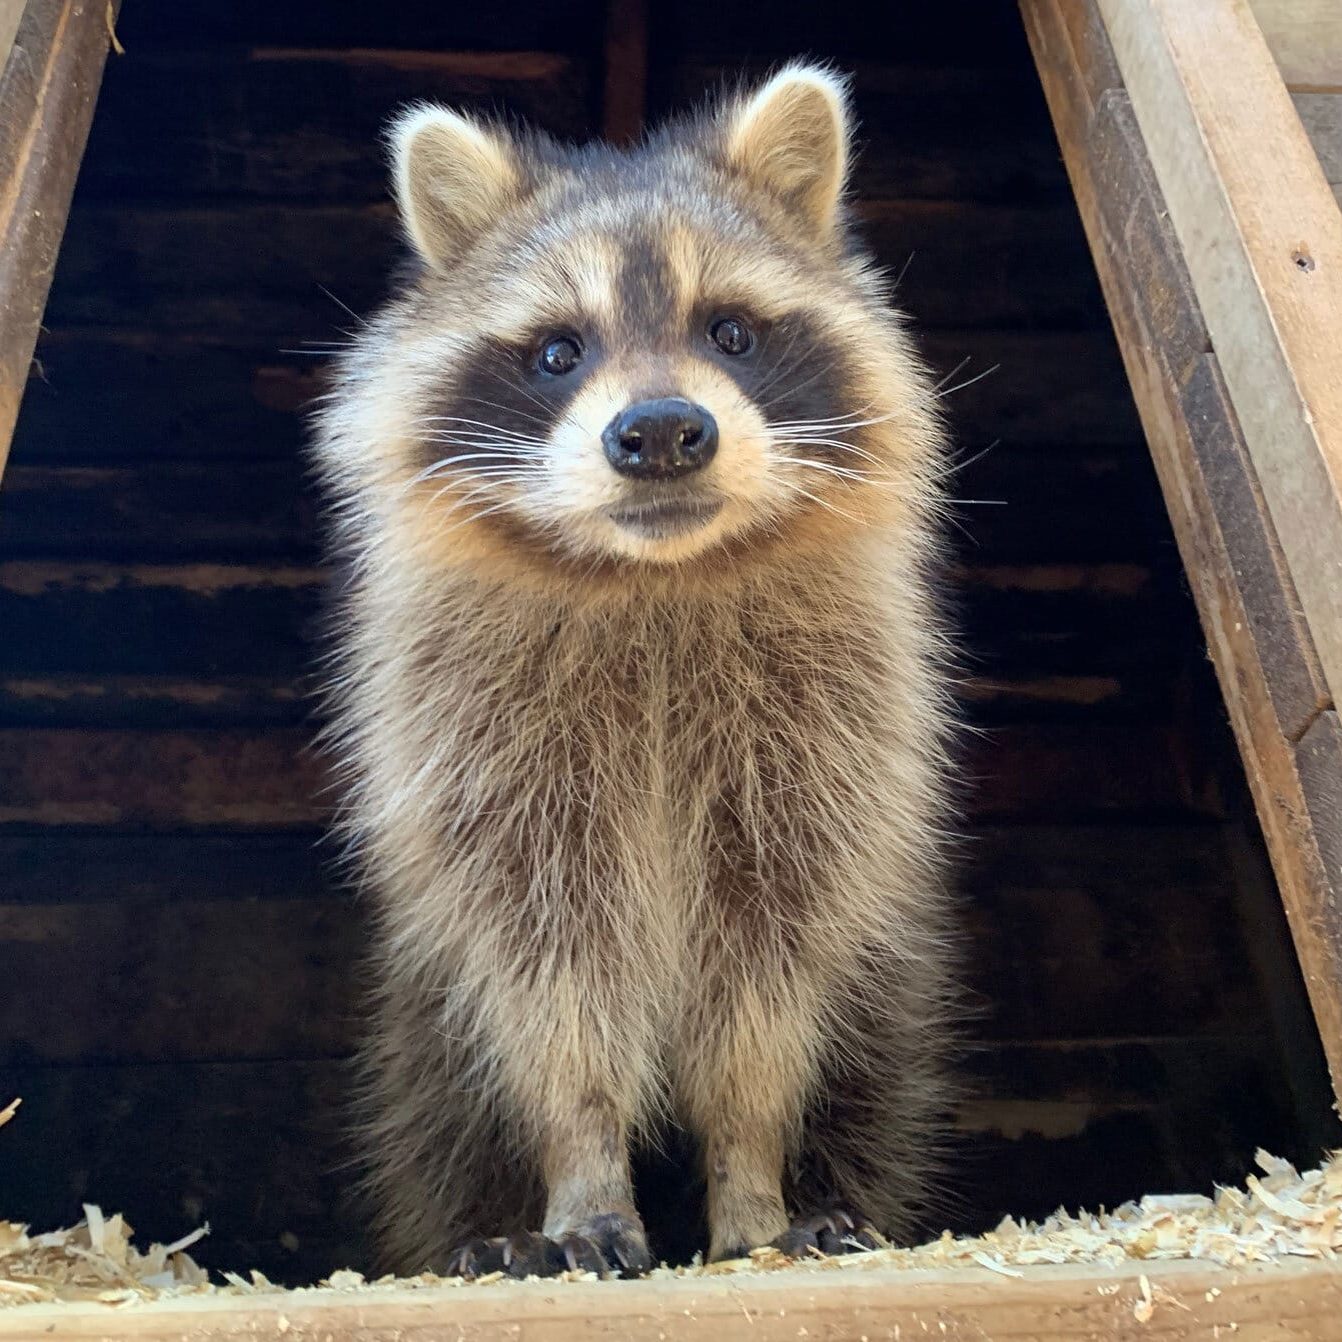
(673, 732)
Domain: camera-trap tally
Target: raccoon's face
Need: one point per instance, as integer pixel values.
(645, 356)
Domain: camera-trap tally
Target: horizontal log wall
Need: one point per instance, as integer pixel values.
(180, 963)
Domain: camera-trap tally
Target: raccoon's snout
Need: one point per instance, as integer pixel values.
(661, 440)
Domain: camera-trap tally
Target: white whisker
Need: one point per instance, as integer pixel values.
(829, 442)
(946, 377)
(968, 382)
(806, 493)
(839, 472)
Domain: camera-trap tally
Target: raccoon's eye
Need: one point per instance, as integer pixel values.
(731, 335)
(560, 355)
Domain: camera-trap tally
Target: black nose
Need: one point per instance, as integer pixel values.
(660, 440)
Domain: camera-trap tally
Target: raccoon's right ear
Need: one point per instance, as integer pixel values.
(454, 176)
(790, 138)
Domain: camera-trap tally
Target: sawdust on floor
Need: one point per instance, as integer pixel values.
(1279, 1213)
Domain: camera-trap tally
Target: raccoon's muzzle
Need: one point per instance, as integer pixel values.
(661, 440)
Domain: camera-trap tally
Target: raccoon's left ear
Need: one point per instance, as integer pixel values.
(790, 137)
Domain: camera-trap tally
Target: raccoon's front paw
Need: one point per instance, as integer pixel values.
(606, 1244)
(833, 1231)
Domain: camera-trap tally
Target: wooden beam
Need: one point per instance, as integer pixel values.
(11, 11)
(1305, 37)
(1142, 1301)
(1262, 238)
(1273, 685)
(47, 91)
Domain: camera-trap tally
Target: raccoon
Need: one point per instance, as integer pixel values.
(638, 697)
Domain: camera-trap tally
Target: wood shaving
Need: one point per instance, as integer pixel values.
(1280, 1213)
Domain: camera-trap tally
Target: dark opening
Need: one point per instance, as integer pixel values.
(176, 959)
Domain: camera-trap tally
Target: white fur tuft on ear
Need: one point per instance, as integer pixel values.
(790, 137)
(453, 177)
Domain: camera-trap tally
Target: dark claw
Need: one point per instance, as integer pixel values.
(833, 1231)
(580, 1254)
(622, 1243)
(797, 1242)
(609, 1243)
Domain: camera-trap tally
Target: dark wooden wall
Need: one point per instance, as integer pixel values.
(176, 963)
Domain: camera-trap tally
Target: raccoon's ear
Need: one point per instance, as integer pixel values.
(453, 175)
(790, 137)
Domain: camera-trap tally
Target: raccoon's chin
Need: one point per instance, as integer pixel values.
(664, 519)
(664, 527)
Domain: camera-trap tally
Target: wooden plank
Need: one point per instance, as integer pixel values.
(199, 979)
(1319, 760)
(257, 1147)
(297, 122)
(168, 976)
(412, 25)
(268, 779)
(220, 622)
(98, 396)
(1270, 680)
(944, 132)
(11, 11)
(103, 396)
(626, 71)
(163, 778)
(260, 701)
(1321, 116)
(1136, 693)
(1262, 238)
(186, 511)
(1305, 38)
(92, 866)
(194, 620)
(1278, 1302)
(270, 268)
(1101, 505)
(1294, 680)
(47, 88)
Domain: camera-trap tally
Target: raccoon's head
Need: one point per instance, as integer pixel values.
(640, 357)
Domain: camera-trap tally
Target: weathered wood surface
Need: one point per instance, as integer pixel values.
(1321, 115)
(1277, 1302)
(268, 267)
(625, 93)
(11, 11)
(1305, 38)
(1023, 504)
(1262, 239)
(300, 122)
(154, 520)
(48, 83)
(1272, 683)
(205, 396)
(259, 1148)
(929, 133)
(270, 779)
(250, 620)
(410, 25)
(163, 964)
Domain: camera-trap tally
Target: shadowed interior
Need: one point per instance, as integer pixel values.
(178, 953)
